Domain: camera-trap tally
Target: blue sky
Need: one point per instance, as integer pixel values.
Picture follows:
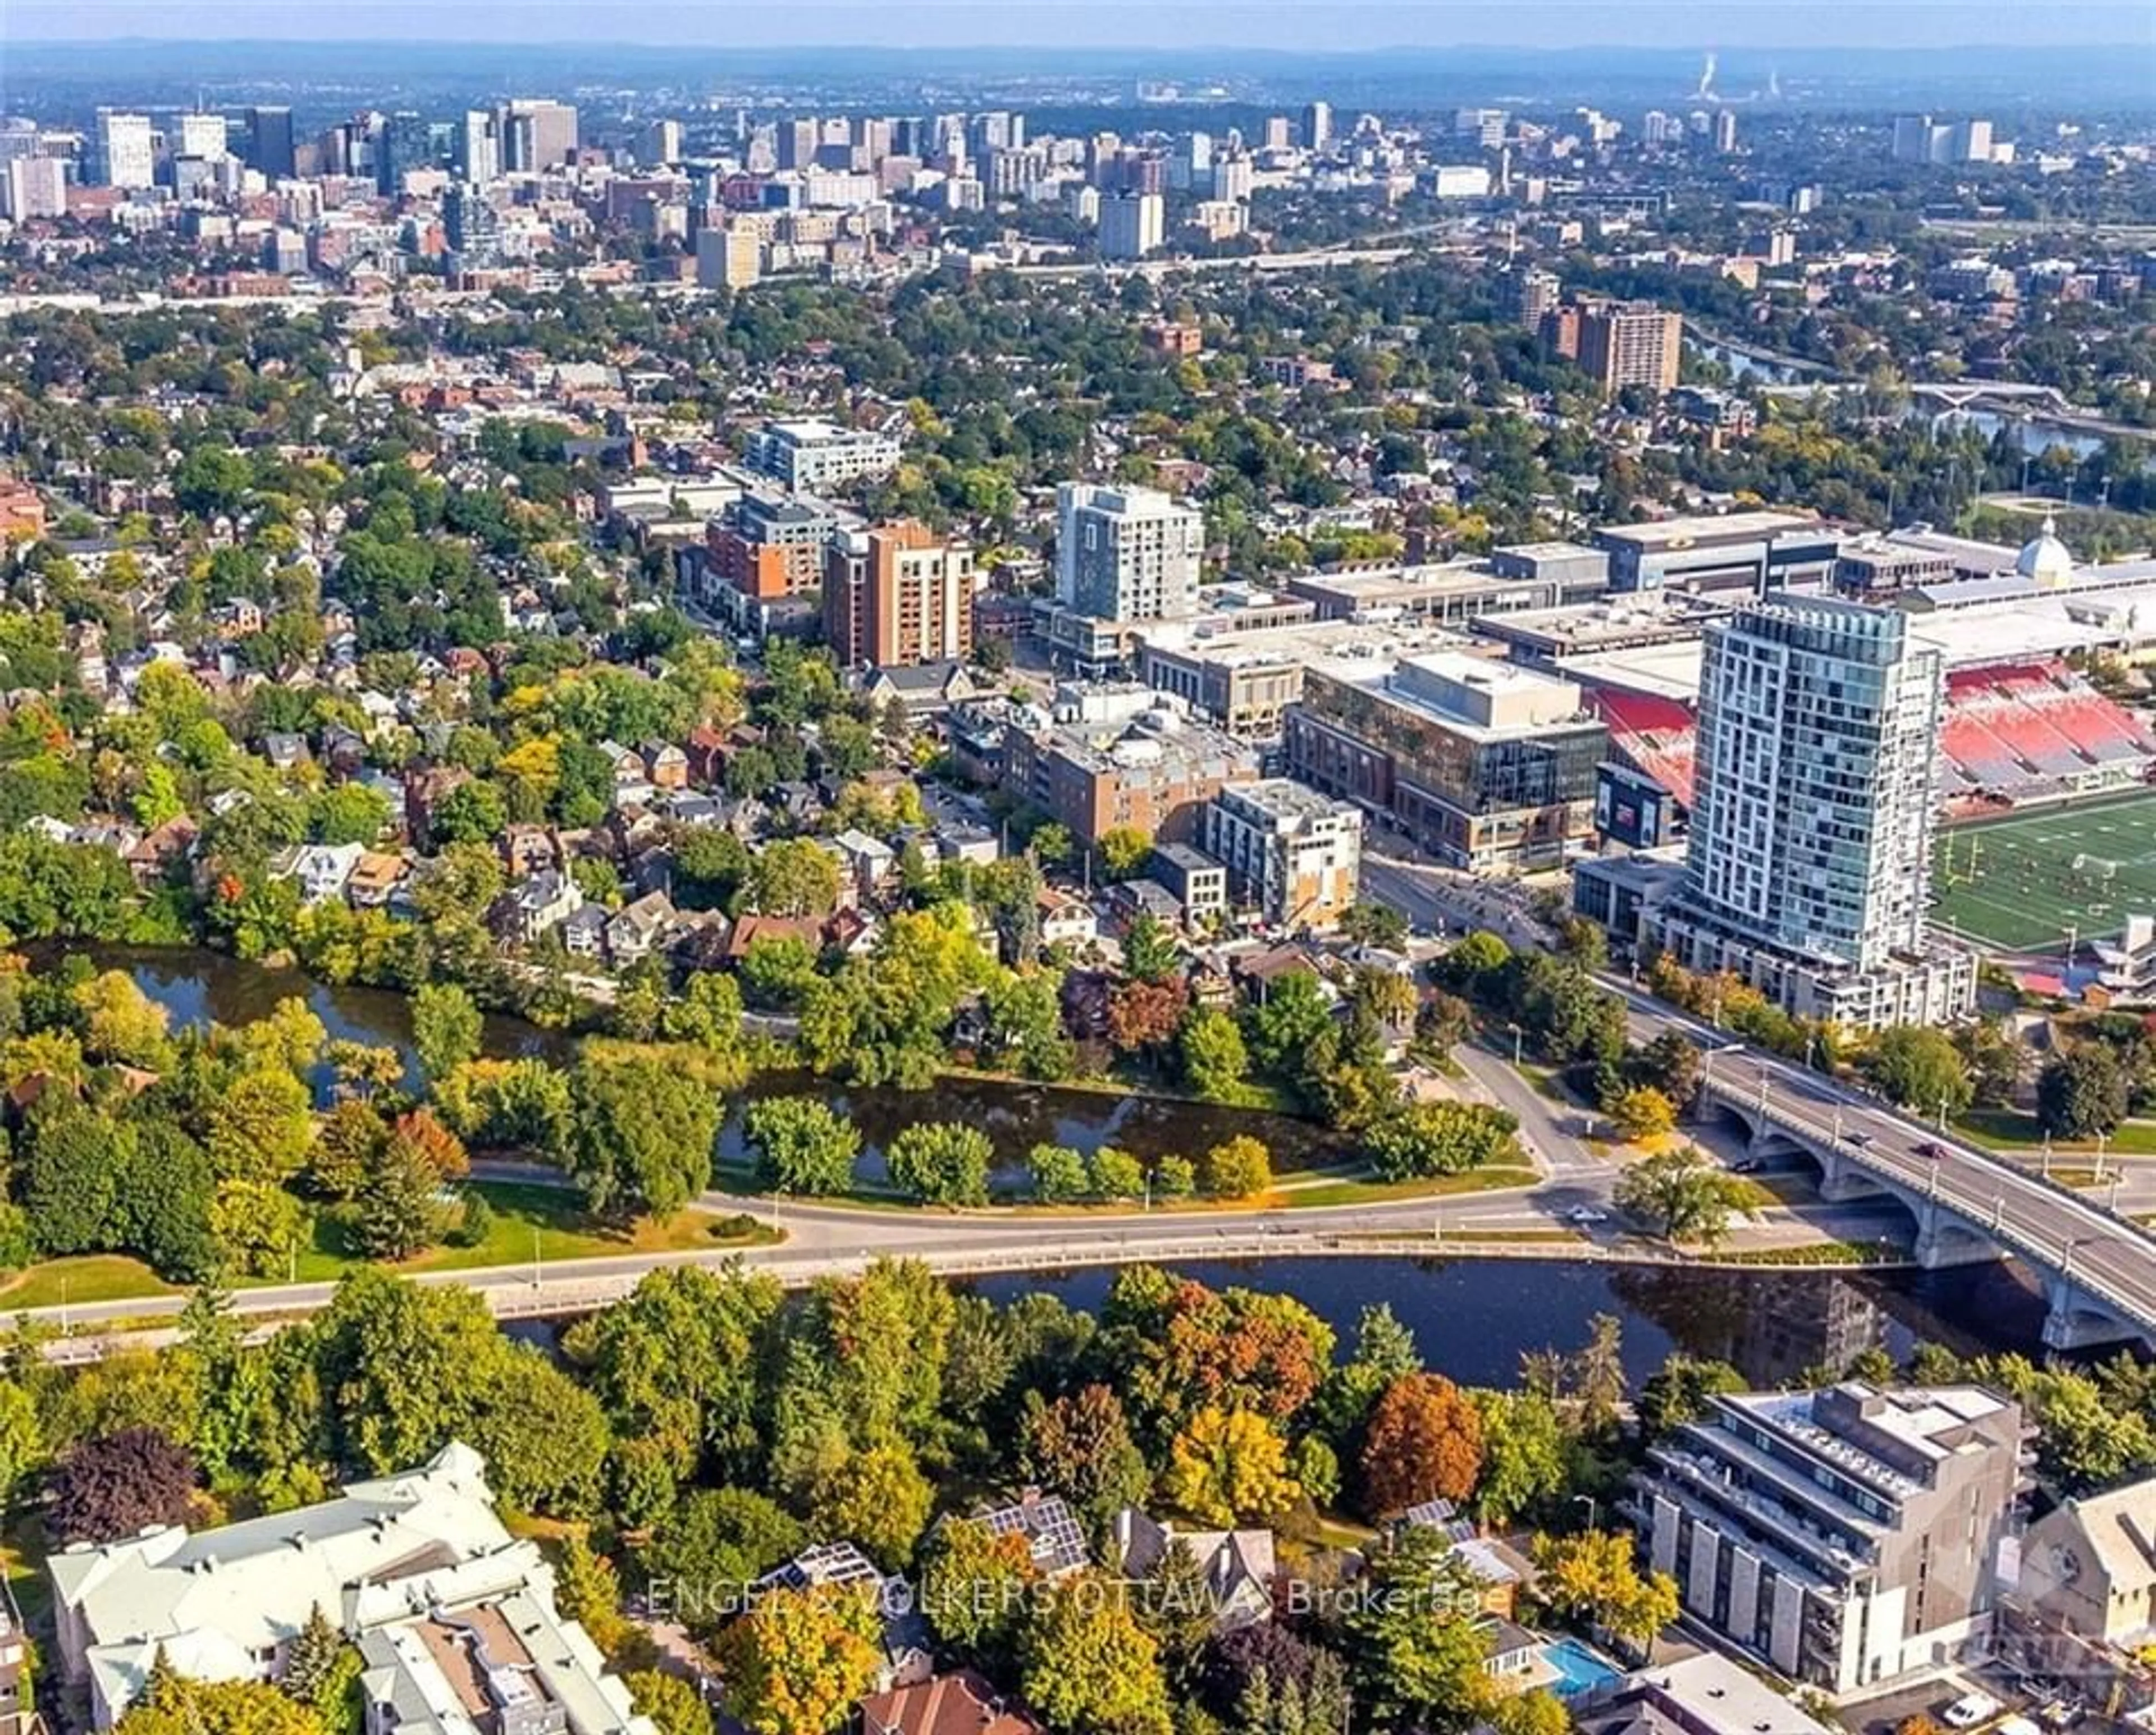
(1318, 24)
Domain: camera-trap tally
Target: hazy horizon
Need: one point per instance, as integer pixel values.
(1274, 25)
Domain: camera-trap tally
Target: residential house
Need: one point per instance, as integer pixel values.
(749, 930)
(539, 904)
(321, 869)
(584, 934)
(705, 757)
(423, 790)
(1237, 1565)
(285, 751)
(639, 929)
(528, 849)
(161, 849)
(1050, 1529)
(870, 864)
(627, 762)
(344, 750)
(665, 765)
(375, 878)
(958, 841)
(907, 1658)
(960, 1704)
(1066, 920)
(924, 690)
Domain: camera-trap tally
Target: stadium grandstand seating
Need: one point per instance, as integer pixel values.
(2013, 734)
(2022, 730)
(1657, 736)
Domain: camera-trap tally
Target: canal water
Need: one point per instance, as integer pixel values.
(198, 985)
(1474, 1318)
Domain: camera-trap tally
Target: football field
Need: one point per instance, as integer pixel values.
(2021, 884)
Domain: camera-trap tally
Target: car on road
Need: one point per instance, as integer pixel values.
(1859, 1137)
(1586, 1213)
(1932, 1151)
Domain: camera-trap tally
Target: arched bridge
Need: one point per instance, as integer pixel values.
(2098, 1269)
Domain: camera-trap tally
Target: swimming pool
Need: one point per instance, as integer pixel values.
(1577, 1669)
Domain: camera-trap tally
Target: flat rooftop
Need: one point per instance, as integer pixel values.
(1664, 671)
(1712, 529)
(1452, 577)
(1310, 642)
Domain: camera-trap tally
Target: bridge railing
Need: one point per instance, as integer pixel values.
(1999, 1228)
(1976, 1154)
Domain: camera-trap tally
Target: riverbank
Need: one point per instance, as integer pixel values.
(531, 1223)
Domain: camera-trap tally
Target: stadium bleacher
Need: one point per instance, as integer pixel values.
(2022, 730)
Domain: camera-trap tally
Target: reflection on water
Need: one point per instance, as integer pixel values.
(1475, 1319)
(199, 985)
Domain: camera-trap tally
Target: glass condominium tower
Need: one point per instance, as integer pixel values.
(1811, 827)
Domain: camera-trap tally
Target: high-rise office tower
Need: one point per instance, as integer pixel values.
(1280, 132)
(1316, 125)
(660, 142)
(1813, 810)
(798, 143)
(35, 186)
(897, 595)
(1127, 554)
(1725, 130)
(404, 142)
(270, 142)
(1632, 342)
(126, 154)
(536, 134)
(198, 135)
(1191, 163)
(476, 149)
(1132, 224)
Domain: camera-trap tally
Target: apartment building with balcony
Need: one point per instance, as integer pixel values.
(1844, 1536)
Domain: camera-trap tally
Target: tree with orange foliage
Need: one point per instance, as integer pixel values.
(1423, 1442)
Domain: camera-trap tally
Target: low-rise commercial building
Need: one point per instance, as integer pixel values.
(1292, 855)
(1486, 765)
(1153, 773)
(1844, 1537)
(1754, 552)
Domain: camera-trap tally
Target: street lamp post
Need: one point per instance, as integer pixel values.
(1516, 1043)
(1593, 1510)
(2101, 1140)
(2047, 1156)
(1932, 1186)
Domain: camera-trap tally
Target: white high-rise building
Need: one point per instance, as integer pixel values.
(1127, 554)
(203, 135)
(126, 154)
(1808, 867)
(536, 134)
(35, 187)
(1132, 224)
(478, 148)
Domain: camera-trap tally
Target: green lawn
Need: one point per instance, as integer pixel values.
(2010, 1129)
(563, 1232)
(1351, 1191)
(2021, 884)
